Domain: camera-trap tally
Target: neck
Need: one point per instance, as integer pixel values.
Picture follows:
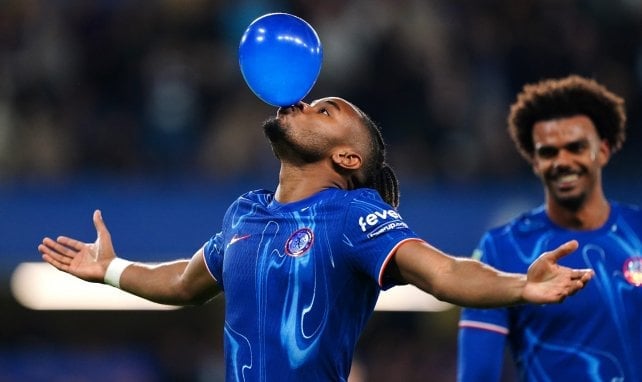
(592, 214)
(297, 182)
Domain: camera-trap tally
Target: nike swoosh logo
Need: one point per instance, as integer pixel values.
(237, 238)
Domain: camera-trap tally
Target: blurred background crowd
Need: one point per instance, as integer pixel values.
(152, 90)
(139, 87)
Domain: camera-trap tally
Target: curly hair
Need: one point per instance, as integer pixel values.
(566, 97)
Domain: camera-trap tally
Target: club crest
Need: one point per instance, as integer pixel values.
(299, 242)
(632, 270)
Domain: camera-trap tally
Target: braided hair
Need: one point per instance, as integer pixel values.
(378, 174)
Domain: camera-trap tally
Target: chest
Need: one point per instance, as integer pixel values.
(271, 253)
(612, 299)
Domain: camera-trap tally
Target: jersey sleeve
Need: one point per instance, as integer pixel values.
(213, 254)
(373, 230)
(480, 355)
(482, 332)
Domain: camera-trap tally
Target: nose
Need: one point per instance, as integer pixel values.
(562, 159)
(301, 105)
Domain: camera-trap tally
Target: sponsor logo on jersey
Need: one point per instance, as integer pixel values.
(299, 242)
(381, 221)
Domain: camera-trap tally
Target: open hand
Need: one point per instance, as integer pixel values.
(87, 261)
(549, 282)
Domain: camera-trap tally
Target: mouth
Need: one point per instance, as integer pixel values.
(285, 110)
(565, 182)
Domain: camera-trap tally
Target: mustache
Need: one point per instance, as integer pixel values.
(563, 171)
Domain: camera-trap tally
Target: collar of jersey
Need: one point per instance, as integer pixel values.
(323, 194)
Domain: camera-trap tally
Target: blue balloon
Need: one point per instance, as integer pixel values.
(280, 57)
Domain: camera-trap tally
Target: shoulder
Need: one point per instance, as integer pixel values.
(256, 196)
(249, 201)
(519, 235)
(364, 197)
(529, 222)
(626, 208)
(358, 193)
(521, 230)
(630, 213)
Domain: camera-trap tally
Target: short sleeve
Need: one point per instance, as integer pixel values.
(373, 230)
(213, 253)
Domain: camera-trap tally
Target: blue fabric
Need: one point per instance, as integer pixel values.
(595, 335)
(481, 355)
(301, 280)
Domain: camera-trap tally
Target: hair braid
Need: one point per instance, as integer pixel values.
(380, 176)
(385, 182)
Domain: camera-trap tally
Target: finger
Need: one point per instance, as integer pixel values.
(99, 223)
(51, 246)
(562, 250)
(54, 254)
(577, 274)
(69, 242)
(43, 249)
(588, 275)
(577, 286)
(47, 242)
(54, 247)
(54, 260)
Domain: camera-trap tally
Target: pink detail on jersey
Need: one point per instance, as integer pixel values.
(389, 257)
(483, 326)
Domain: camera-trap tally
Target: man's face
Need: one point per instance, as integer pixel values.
(308, 132)
(569, 156)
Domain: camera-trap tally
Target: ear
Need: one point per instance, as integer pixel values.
(347, 158)
(533, 163)
(604, 153)
(535, 169)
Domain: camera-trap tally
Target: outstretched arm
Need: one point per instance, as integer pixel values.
(468, 282)
(181, 282)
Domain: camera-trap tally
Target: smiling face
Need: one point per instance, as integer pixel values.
(310, 132)
(568, 158)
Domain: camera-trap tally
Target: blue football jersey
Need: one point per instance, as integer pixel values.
(301, 280)
(594, 335)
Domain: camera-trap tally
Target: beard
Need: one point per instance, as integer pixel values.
(285, 146)
(571, 200)
(273, 130)
(571, 203)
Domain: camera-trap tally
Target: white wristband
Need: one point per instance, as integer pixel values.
(115, 270)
